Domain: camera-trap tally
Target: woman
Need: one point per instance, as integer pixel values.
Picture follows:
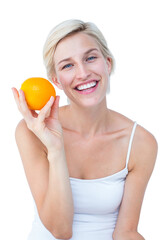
(87, 166)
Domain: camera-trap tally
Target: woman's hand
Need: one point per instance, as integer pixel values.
(45, 125)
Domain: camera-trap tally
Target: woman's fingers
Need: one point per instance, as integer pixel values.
(55, 108)
(44, 111)
(49, 110)
(21, 104)
(16, 96)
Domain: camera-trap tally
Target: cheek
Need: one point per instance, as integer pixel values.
(65, 78)
(101, 69)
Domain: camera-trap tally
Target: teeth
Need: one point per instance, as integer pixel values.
(88, 85)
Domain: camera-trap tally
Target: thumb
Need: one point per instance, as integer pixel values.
(55, 108)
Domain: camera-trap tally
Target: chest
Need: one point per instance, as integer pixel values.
(96, 158)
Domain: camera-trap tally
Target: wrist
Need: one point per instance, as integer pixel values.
(55, 154)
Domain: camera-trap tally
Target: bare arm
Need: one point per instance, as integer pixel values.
(143, 156)
(44, 162)
(131, 235)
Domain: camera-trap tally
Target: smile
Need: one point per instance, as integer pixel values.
(87, 88)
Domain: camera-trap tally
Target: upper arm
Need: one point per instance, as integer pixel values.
(143, 156)
(34, 159)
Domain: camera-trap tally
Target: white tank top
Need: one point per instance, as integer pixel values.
(96, 206)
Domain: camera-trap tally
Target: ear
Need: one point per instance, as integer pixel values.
(57, 83)
(109, 64)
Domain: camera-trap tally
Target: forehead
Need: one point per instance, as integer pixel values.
(74, 45)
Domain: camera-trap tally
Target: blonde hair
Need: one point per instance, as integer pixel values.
(65, 29)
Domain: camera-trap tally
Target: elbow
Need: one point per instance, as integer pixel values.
(60, 231)
(59, 228)
(66, 235)
(63, 232)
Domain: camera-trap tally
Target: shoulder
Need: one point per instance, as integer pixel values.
(143, 139)
(22, 130)
(144, 149)
(21, 126)
(145, 142)
(144, 146)
(25, 138)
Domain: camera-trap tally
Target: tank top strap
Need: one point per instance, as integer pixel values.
(130, 143)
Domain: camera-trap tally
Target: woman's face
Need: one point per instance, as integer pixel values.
(81, 69)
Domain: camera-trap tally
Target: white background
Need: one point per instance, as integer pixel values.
(132, 32)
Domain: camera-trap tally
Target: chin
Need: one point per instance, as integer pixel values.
(91, 103)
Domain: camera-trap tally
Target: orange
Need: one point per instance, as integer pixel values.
(37, 92)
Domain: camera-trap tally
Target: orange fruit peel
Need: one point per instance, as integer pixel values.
(37, 92)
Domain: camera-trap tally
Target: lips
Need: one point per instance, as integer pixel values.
(88, 90)
(86, 82)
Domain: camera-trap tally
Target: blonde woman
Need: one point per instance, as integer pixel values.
(87, 166)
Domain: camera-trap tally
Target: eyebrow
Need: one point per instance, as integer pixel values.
(88, 51)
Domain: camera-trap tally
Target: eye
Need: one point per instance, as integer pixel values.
(91, 58)
(67, 66)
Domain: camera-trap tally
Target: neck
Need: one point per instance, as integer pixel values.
(89, 122)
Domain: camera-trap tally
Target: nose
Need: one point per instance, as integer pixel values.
(82, 72)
